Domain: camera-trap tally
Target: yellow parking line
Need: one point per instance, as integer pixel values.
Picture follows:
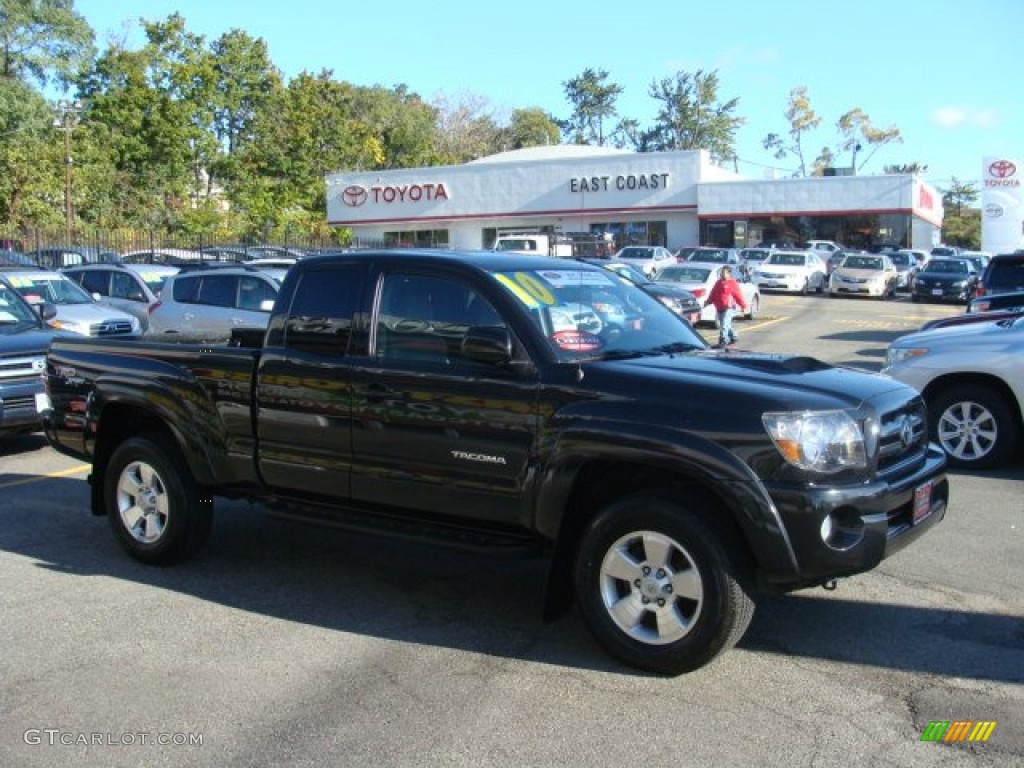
(62, 473)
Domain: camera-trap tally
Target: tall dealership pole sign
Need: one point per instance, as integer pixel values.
(1002, 205)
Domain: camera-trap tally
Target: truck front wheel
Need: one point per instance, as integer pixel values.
(155, 507)
(657, 587)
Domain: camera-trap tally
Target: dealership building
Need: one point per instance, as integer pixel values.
(658, 198)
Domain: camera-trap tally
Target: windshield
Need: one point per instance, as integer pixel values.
(53, 288)
(862, 262)
(947, 267)
(587, 314)
(787, 259)
(683, 275)
(14, 313)
(900, 259)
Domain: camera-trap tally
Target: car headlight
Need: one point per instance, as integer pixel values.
(71, 326)
(895, 355)
(819, 441)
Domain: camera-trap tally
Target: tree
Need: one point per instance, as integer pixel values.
(465, 128)
(854, 127)
(42, 40)
(802, 119)
(691, 117)
(593, 103)
(906, 168)
(958, 195)
(859, 134)
(31, 153)
(530, 127)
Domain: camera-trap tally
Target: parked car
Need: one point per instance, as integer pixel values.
(709, 254)
(945, 279)
(751, 257)
(991, 301)
(205, 304)
(24, 341)
(945, 251)
(56, 257)
(132, 288)
(77, 311)
(972, 378)
(1004, 274)
(979, 259)
(801, 271)
(864, 274)
(698, 278)
(169, 256)
(823, 247)
(679, 300)
(967, 318)
(906, 265)
(649, 259)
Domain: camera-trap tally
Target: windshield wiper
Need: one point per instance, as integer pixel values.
(675, 347)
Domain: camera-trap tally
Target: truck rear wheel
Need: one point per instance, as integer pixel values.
(657, 587)
(157, 510)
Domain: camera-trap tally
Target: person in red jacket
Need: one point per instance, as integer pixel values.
(726, 296)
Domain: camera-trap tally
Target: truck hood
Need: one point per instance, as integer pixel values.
(767, 381)
(31, 342)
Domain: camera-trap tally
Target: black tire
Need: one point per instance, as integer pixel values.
(974, 425)
(157, 510)
(645, 549)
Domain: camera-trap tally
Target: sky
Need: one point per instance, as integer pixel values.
(948, 74)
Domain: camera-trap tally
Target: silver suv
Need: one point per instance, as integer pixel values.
(132, 288)
(77, 311)
(204, 304)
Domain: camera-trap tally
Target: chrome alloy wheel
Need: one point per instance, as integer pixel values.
(967, 430)
(651, 587)
(143, 502)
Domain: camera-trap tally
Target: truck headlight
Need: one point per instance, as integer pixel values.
(71, 326)
(821, 441)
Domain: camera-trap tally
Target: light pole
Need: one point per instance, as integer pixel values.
(67, 119)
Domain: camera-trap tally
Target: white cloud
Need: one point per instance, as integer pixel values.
(956, 116)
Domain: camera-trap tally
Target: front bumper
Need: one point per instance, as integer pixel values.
(18, 410)
(869, 522)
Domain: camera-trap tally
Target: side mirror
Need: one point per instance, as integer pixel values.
(267, 305)
(487, 344)
(47, 311)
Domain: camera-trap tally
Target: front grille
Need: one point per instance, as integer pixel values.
(111, 328)
(14, 368)
(17, 403)
(902, 437)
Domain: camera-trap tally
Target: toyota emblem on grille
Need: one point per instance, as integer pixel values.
(1002, 169)
(906, 433)
(354, 196)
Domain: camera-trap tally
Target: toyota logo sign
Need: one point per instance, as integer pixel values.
(354, 196)
(1002, 169)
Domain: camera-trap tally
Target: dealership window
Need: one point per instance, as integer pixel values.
(868, 231)
(418, 238)
(634, 232)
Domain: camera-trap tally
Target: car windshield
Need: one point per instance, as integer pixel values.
(787, 259)
(589, 314)
(947, 267)
(862, 262)
(53, 288)
(636, 253)
(754, 254)
(710, 255)
(630, 272)
(683, 275)
(14, 313)
(900, 259)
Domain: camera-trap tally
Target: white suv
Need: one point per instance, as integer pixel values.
(972, 378)
(206, 303)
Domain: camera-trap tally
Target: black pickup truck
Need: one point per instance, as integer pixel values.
(521, 403)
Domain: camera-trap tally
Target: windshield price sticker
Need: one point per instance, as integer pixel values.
(567, 279)
(577, 341)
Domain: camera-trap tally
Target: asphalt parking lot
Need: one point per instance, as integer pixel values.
(290, 645)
